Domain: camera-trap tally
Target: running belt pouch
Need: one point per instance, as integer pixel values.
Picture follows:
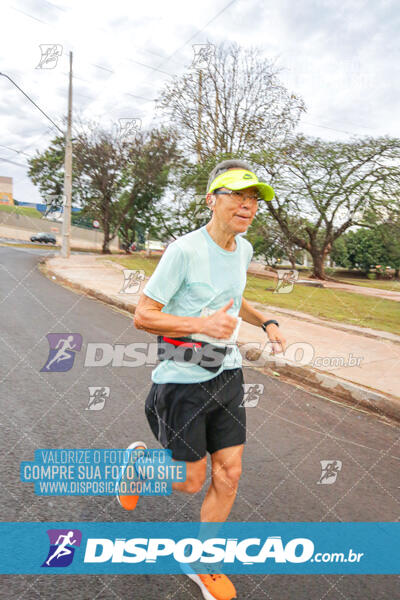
(208, 352)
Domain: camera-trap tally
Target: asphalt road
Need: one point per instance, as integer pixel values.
(289, 432)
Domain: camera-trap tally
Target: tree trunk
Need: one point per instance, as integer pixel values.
(106, 239)
(318, 266)
(105, 249)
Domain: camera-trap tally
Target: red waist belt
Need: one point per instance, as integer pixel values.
(184, 349)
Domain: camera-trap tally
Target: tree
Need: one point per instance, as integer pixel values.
(339, 253)
(269, 241)
(368, 247)
(116, 180)
(364, 249)
(146, 177)
(331, 186)
(46, 171)
(390, 232)
(237, 104)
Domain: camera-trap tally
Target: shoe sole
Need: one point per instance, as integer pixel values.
(206, 594)
(134, 446)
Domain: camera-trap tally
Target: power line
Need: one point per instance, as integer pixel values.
(140, 97)
(150, 67)
(326, 127)
(13, 150)
(33, 102)
(13, 162)
(30, 16)
(103, 68)
(197, 32)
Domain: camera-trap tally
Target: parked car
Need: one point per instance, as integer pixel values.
(46, 238)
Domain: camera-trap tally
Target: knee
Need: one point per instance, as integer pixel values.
(228, 477)
(193, 485)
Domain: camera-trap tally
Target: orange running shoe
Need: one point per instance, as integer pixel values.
(214, 586)
(128, 502)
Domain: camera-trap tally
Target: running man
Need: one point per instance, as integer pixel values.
(62, 353)
(196, 291)
(62, 549)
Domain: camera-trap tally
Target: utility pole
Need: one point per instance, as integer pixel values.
(199, 115)
(66, 228)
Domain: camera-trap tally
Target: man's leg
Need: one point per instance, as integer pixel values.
(195, 477)
(226, 468)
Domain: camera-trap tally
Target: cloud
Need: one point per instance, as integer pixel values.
(342, 58)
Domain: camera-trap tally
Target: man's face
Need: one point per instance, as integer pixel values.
(236, 211)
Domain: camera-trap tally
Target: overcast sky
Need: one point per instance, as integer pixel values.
(342, 58)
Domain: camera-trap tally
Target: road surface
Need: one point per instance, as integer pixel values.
(289, 432)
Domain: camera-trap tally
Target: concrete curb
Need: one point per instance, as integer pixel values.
(334, 387)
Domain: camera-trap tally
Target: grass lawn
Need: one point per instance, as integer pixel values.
(28, 211)
(148, 265)
(337, 305)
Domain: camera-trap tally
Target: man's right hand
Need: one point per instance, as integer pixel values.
(219, 325)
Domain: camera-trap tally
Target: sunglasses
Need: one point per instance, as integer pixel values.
(239, 196)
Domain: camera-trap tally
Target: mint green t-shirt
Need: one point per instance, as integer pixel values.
(193, 273)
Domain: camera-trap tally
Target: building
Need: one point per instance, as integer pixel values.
(6, 191)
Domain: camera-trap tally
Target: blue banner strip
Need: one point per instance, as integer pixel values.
(240, 547)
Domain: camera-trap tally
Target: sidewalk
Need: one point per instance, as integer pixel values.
(347, 362)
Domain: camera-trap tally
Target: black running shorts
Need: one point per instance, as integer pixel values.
(192, 419)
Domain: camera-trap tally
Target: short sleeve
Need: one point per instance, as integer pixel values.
(249, 256)
(168, 276)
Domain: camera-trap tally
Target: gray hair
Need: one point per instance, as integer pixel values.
(225, 165)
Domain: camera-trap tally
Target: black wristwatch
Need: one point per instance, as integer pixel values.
(269, 322)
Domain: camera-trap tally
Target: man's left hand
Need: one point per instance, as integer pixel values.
(276, 338)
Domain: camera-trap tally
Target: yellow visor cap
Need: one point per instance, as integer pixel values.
(240, 179)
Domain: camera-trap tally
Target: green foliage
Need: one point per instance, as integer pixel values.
(339, 252)
(368, 247)
(28, 211)
(329, 187)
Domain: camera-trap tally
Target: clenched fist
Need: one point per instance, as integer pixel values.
(219, 325)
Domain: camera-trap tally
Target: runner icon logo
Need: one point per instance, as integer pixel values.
(252, 393)
(50, 54)
(62, 542)
(132, 280)
(97, 397)
(286, 281)
(203, 55)
(62, 351)
(329, 471)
